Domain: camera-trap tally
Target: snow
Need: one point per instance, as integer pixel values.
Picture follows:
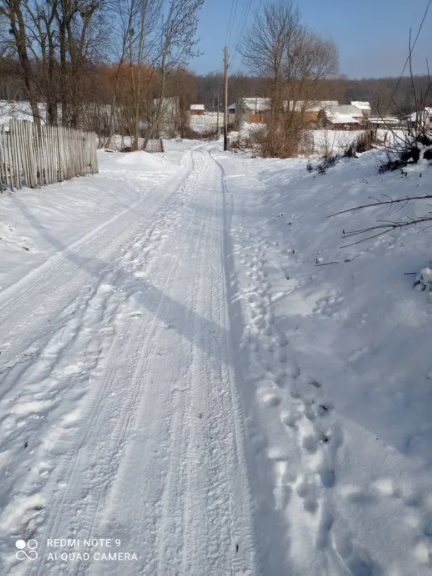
(386, 121)
(19, 110)
(334, 113)
(424, 279)
(255, 105)
(336, 142)
(196, 373)
(336, 347)
(343, 119)
(206, 122)
(421, 115)
(362, 105)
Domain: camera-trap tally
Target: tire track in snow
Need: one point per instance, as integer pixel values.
(97, 311)
(183, 509)
(113, 410)
(142, 439)
(41, 296)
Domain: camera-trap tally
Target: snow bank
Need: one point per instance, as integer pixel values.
(143, 161)
(337, 365)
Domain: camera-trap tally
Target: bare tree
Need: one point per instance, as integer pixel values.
(139, 24)
(54, 41)
(14, 12)
(176, 48)
(295, 61)
(157, 39)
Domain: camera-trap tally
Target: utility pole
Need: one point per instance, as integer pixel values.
(226, 100)
(217, 117)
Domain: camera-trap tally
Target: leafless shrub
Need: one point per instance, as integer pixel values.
(384, 226)
(414, 144)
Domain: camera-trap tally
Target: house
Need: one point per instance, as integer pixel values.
(310, 108)
(232, 109)
(343, 117)
(421, 118)
(365, 107)
(197, 109)
(251, 110)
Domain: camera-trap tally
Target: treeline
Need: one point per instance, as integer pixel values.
(208, 89)
(98, 91)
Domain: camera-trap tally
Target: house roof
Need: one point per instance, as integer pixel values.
(361, 105)
(343, 119)
(263, 104)
(198, 107)
(345, 110)
(256, 104)
(385, 120)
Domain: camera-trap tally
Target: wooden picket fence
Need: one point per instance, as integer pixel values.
(32, 157)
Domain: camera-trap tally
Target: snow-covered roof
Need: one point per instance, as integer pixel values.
(343, 119)
(332, 113)
(256, 104)
(198, 107)
(263, 104)
(361, 105)
(384, 121)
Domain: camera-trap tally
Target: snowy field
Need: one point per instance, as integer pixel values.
(196, 379)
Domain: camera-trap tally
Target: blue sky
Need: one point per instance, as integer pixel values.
(371, 35)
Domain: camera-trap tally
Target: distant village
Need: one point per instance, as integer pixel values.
(326, 114)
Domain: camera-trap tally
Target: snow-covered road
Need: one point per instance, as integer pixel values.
(189, 388)
(119, 385)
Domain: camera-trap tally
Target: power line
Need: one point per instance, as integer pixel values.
(241, 28)
(411, 48)
(243, 20)
(233, 13)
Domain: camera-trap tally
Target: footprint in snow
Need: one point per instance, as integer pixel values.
(354, 557)
(270, 399)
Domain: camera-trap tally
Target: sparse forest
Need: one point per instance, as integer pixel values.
(99, 65)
